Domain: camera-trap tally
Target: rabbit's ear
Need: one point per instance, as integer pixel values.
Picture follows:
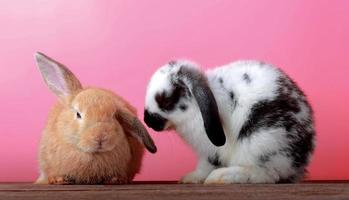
(197, 82)
(131, 124)
(59, 79)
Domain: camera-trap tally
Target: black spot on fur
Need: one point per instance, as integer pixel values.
(246, 78)
(274, 113)
(183, 107)
(215, 161)
(167, 101)
(232, 95)
(234, 100)
(266, 157)
(300, 147)
(281, 113)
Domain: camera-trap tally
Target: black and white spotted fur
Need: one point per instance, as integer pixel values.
(247, 121)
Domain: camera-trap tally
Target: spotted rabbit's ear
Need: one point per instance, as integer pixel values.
(131, 123)
(59, 79)
(198, 85)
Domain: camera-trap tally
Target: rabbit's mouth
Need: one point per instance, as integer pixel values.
(102, 149)
(169, 126)
(97, 147)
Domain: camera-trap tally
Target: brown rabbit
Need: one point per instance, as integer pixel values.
(92, 136)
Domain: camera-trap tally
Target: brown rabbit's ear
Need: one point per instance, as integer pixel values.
(133, 125)
(59, 79)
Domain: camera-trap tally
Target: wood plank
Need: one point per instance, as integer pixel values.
(304, 191)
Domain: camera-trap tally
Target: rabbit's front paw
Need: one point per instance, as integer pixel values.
(228, 175)
(193, 177)
(116, 181)
(61, 180)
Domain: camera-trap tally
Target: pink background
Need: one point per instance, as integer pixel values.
(118, 45)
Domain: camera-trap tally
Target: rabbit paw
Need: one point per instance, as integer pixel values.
(193, 177)
(228, 175)
(61, 180)
(116, 181)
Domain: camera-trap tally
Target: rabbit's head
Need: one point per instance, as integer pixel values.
(178, 92)
(92, 119)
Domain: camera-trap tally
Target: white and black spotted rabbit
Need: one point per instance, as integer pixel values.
(247, 121)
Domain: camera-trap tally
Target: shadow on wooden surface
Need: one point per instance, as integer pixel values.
(169, 190)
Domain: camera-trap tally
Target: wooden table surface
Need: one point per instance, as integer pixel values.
(167, 190)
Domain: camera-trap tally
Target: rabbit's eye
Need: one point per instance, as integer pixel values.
(78, 115)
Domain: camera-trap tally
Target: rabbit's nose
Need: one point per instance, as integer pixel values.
(100, 140)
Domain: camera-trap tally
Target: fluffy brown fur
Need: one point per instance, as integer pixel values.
(92, 135)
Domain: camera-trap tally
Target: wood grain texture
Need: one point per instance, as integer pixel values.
(154, 191)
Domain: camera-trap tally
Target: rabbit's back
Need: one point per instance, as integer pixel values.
(267, 118)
